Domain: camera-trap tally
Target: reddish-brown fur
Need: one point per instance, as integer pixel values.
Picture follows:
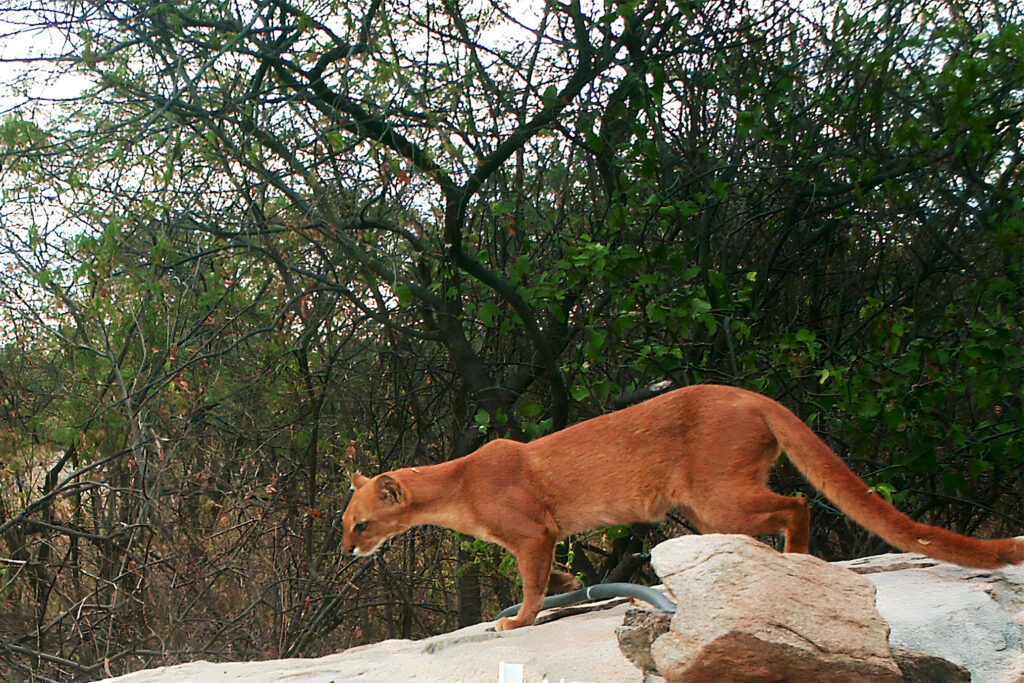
(706, 450)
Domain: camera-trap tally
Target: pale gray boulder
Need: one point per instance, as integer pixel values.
(969, 617)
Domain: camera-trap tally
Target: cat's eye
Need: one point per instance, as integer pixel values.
(361, 527)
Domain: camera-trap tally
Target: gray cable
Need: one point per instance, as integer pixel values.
(602, 591)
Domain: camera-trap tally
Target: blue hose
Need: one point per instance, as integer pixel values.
(602, 591)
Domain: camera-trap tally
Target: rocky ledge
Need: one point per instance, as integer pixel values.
(743, 608)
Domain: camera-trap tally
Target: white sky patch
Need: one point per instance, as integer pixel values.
(31, 71)
(34, 83)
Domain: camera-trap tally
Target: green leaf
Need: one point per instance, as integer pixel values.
(488, 312)
(550, 97)
(868, 406)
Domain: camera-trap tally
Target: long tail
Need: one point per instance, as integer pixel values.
(830, 475)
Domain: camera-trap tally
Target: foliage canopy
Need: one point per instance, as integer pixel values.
(276, 241)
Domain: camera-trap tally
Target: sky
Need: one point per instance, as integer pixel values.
(25, 75)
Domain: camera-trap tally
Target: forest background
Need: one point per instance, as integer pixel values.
(274, 241)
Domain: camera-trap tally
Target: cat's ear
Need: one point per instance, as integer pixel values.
(390, 490)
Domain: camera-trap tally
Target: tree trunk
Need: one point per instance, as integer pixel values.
(468, 598)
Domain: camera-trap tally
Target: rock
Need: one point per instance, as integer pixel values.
(641, 627)
(920, 667)
(746, 608)
(972, 617)
(1016, 672)
(576, 648)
